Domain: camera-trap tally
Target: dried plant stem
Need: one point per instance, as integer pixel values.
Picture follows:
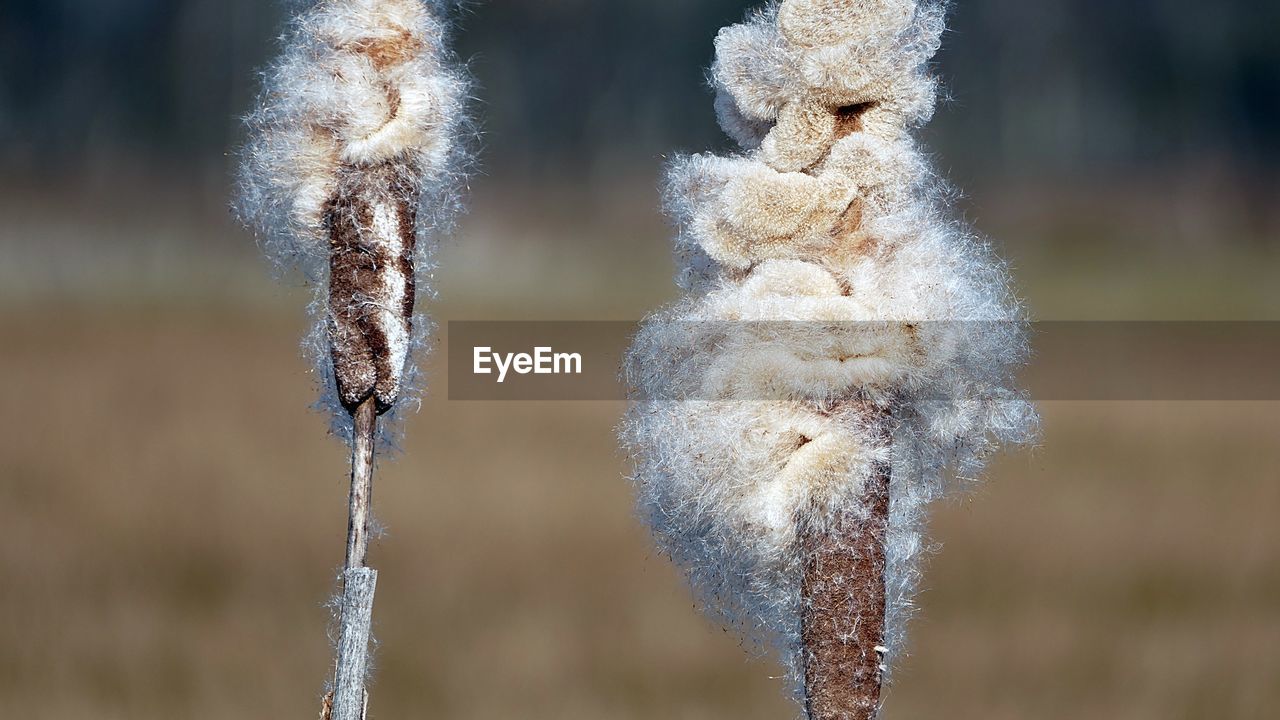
(349, 698)
(844, 597)
(366, 425)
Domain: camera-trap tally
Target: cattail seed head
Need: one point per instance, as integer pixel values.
(371, 283)
(827, 290)
(353, 165)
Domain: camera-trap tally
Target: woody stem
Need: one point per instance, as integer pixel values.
(358, 581)
(366, 423)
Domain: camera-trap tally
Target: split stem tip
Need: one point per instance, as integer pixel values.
(366, 423)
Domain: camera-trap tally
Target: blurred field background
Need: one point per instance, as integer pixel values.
(174, 515)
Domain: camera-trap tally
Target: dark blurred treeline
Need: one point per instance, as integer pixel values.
(570, 86)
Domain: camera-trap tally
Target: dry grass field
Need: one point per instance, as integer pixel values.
(173, 520)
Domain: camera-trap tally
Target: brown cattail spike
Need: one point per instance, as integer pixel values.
(356, 128)
(829, 300)
(371, 283)
(843, 622)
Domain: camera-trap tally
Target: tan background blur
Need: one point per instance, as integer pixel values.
(174, 515)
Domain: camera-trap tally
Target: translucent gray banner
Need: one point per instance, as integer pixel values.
(1086, 360)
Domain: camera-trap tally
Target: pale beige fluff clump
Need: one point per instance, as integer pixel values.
(364, 97)
(823, 282)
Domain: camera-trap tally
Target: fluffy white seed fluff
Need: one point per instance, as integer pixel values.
(361, 84)
(822, 276)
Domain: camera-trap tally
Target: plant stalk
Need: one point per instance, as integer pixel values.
(844, 602)
(349, 699)
(366, 425)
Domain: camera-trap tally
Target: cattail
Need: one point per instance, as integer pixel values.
(353, 169)
(842, 349)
